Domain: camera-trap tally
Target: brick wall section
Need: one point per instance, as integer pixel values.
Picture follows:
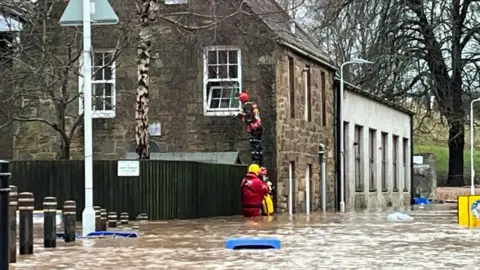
(297, 139)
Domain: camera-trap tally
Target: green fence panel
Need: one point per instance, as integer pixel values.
(164, 189)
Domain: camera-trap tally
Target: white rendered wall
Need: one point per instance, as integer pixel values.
(370, 114)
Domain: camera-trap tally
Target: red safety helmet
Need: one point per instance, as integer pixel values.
(263, 171)
(243, 97)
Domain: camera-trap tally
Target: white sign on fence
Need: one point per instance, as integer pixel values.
(128, 168)
(417, 159)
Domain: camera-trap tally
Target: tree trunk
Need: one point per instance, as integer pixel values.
(141, 112)
(147, 13)
(456, 145)
(65, 150)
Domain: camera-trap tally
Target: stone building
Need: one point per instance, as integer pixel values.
(378, 140)
(196, 76)
(9, 25)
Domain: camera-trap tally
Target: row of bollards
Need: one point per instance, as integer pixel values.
(25, 202)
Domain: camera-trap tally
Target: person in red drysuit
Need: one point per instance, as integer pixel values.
(251, 116)
(253, 192)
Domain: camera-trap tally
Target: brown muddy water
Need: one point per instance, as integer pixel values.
(362, 240)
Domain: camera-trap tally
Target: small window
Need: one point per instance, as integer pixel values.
(357, 146)
(372, 159)
(384, 160)
(308, 93)
(291, 81)
(405, 157)
(292, 187)
(175, 2)
(324, 98)
(222, 80)
(103, 85)
(395, 163)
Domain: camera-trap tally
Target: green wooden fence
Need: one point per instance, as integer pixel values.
(164, 189)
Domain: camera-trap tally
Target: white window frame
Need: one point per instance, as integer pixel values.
(175, 2)
(206, 100)
(305, 85)
(99, 113)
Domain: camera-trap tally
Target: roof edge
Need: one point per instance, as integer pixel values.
(306, 54)
(358, 90)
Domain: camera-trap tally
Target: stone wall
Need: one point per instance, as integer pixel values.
(425, 176)
(298, 139)
(176, 95)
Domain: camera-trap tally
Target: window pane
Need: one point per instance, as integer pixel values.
(107, 58)
(232, 57)
(212, 57)
(234, 103)
(214, 104)
(108, 103)
(98, 59)
(212, 72)
(108, 89)
(222, 72)
(216, 92)
(97, 103)
(107, 72)
(98, 74)
(222, 57)
(225, 103)
(98, 89)
(233, 71)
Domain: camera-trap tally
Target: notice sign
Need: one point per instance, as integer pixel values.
(128, 168)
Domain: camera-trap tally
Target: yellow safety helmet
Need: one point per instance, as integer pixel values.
(254, 168)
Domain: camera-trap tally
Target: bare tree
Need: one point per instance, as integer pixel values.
(190, 20)
(428, 47)
(39, 83)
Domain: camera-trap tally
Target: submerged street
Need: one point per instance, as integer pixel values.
(362, 240)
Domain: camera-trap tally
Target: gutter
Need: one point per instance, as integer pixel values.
(306, 54)
(411, 161)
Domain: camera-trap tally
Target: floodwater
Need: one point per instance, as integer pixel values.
(362, 240)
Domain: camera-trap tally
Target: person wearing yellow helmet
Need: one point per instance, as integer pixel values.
(253, 192)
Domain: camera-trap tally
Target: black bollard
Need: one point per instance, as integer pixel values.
(97, 218)
(49, 222)
(124, 218)
(142, 217)
(103, 219)
(112, 220)
(25, 206)
(69, 218)
(4, 192)
(12, 227)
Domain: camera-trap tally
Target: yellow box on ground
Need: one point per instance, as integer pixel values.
(474, 210)
(463, 211)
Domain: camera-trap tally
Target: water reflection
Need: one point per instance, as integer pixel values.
(364, 240)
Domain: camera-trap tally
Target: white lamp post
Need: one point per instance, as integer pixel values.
(472, 142)
(342, 157)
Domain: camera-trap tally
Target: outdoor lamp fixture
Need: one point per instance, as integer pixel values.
(472, 141)
(342, 151)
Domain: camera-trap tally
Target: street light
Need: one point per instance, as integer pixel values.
(342, 163)
(472, 164)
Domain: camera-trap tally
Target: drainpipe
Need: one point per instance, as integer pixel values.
(323, 171)
(307, 190)
(411, 160)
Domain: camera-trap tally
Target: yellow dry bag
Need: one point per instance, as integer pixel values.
(267, 205)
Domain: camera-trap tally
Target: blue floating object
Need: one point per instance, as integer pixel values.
(62, 235)
(113, 234)
(252, 243)
(420, 200)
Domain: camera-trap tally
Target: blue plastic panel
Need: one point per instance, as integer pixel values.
(113, 234)
(253, 243)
